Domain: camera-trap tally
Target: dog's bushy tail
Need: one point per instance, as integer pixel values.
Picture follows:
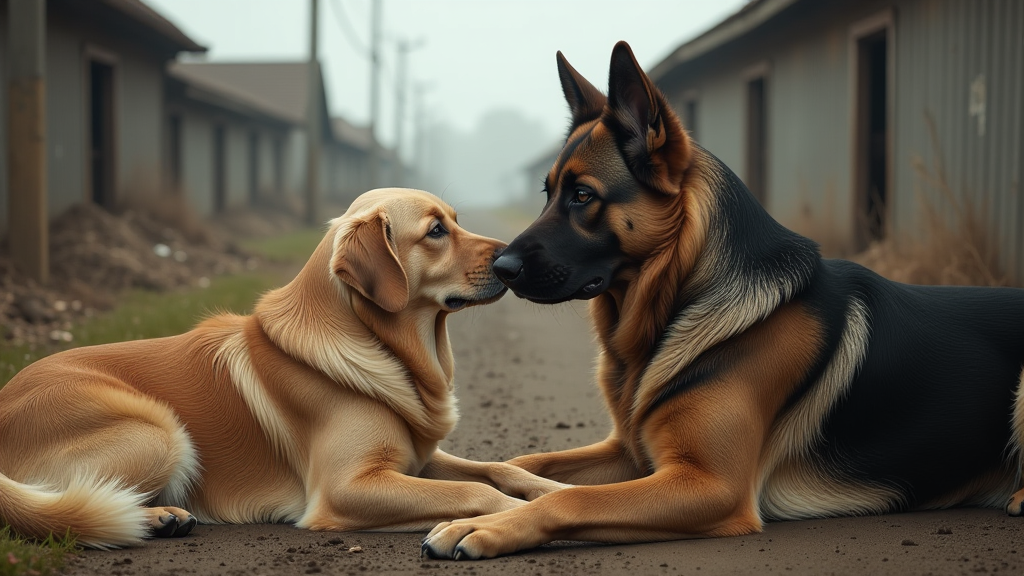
(98, 513)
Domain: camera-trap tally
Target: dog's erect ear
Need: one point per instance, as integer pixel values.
(653, 141)
(364, 258)
(585, 101)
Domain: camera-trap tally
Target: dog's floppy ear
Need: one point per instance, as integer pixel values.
(652, 138)
(364, 258)
(585, 101)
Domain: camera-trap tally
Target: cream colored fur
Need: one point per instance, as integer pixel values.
(323, 408)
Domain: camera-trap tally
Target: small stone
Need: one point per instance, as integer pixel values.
(60, 305)
(355, 549)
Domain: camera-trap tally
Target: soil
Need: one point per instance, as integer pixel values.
(96, 254)
(524, 378)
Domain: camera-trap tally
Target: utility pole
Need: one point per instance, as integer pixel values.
(402, 87)
(314, 123)
(28, 221)
(419, 136)
(375, 26)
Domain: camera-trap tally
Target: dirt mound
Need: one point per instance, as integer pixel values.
(95, 254)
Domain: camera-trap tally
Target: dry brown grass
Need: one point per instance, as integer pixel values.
(953, 243)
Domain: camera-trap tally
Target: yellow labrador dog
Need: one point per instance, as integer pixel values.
(323, 408)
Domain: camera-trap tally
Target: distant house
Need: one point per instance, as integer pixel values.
(278, 91)
(124, 118)
(349, 158)
(258, 155)
(834, 111)
(105, 107)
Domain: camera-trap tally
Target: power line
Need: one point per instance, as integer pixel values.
(348, 31)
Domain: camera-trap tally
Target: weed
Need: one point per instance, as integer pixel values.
(954, 244)
(23, 557)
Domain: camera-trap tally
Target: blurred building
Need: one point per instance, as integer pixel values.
(123, 117)
(225, 147)
(842, 116)
(105, 105)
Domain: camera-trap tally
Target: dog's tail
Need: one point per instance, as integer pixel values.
(98, 513)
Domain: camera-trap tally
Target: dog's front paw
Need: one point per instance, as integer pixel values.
(476, 538)
(1015, 507)
(517, 482)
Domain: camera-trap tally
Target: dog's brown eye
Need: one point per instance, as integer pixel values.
(583, 195)
(437, 231)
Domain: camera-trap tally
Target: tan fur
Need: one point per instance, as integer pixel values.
(323, 408)
(696, 464)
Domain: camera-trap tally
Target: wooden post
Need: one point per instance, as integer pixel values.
(314, 131)
(28, 222)
(375, 155)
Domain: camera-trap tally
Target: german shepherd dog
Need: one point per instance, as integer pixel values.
(748, 379)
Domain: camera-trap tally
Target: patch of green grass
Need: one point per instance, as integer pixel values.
(21, 557)
(142, 314)
(294, 247)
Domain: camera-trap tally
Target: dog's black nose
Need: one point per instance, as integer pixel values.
(507, 267)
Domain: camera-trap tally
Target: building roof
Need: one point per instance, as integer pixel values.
(347, 133)
(146, 16)
(130, 19)
(749, 17)
(211, 94)
(276, 89)
(280, 88)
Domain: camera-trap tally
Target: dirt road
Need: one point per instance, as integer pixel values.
(524, 383)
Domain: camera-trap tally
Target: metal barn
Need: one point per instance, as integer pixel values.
(845, 116)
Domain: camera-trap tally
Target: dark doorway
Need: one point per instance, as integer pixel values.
(101, 132)
(254, 167)
(872, 132)
(174, 143)
(690, 117)
(219, 169)
(757, 139)
(278, 166)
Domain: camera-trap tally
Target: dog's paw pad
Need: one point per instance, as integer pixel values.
(165, 527)
(170, 522)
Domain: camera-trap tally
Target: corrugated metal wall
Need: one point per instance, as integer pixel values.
(804, 61)
(943, 47)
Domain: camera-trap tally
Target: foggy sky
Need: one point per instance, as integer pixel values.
(478, 57)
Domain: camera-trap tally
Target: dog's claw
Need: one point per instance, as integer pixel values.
(458, 554)
(184, 528)
(168, 529)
